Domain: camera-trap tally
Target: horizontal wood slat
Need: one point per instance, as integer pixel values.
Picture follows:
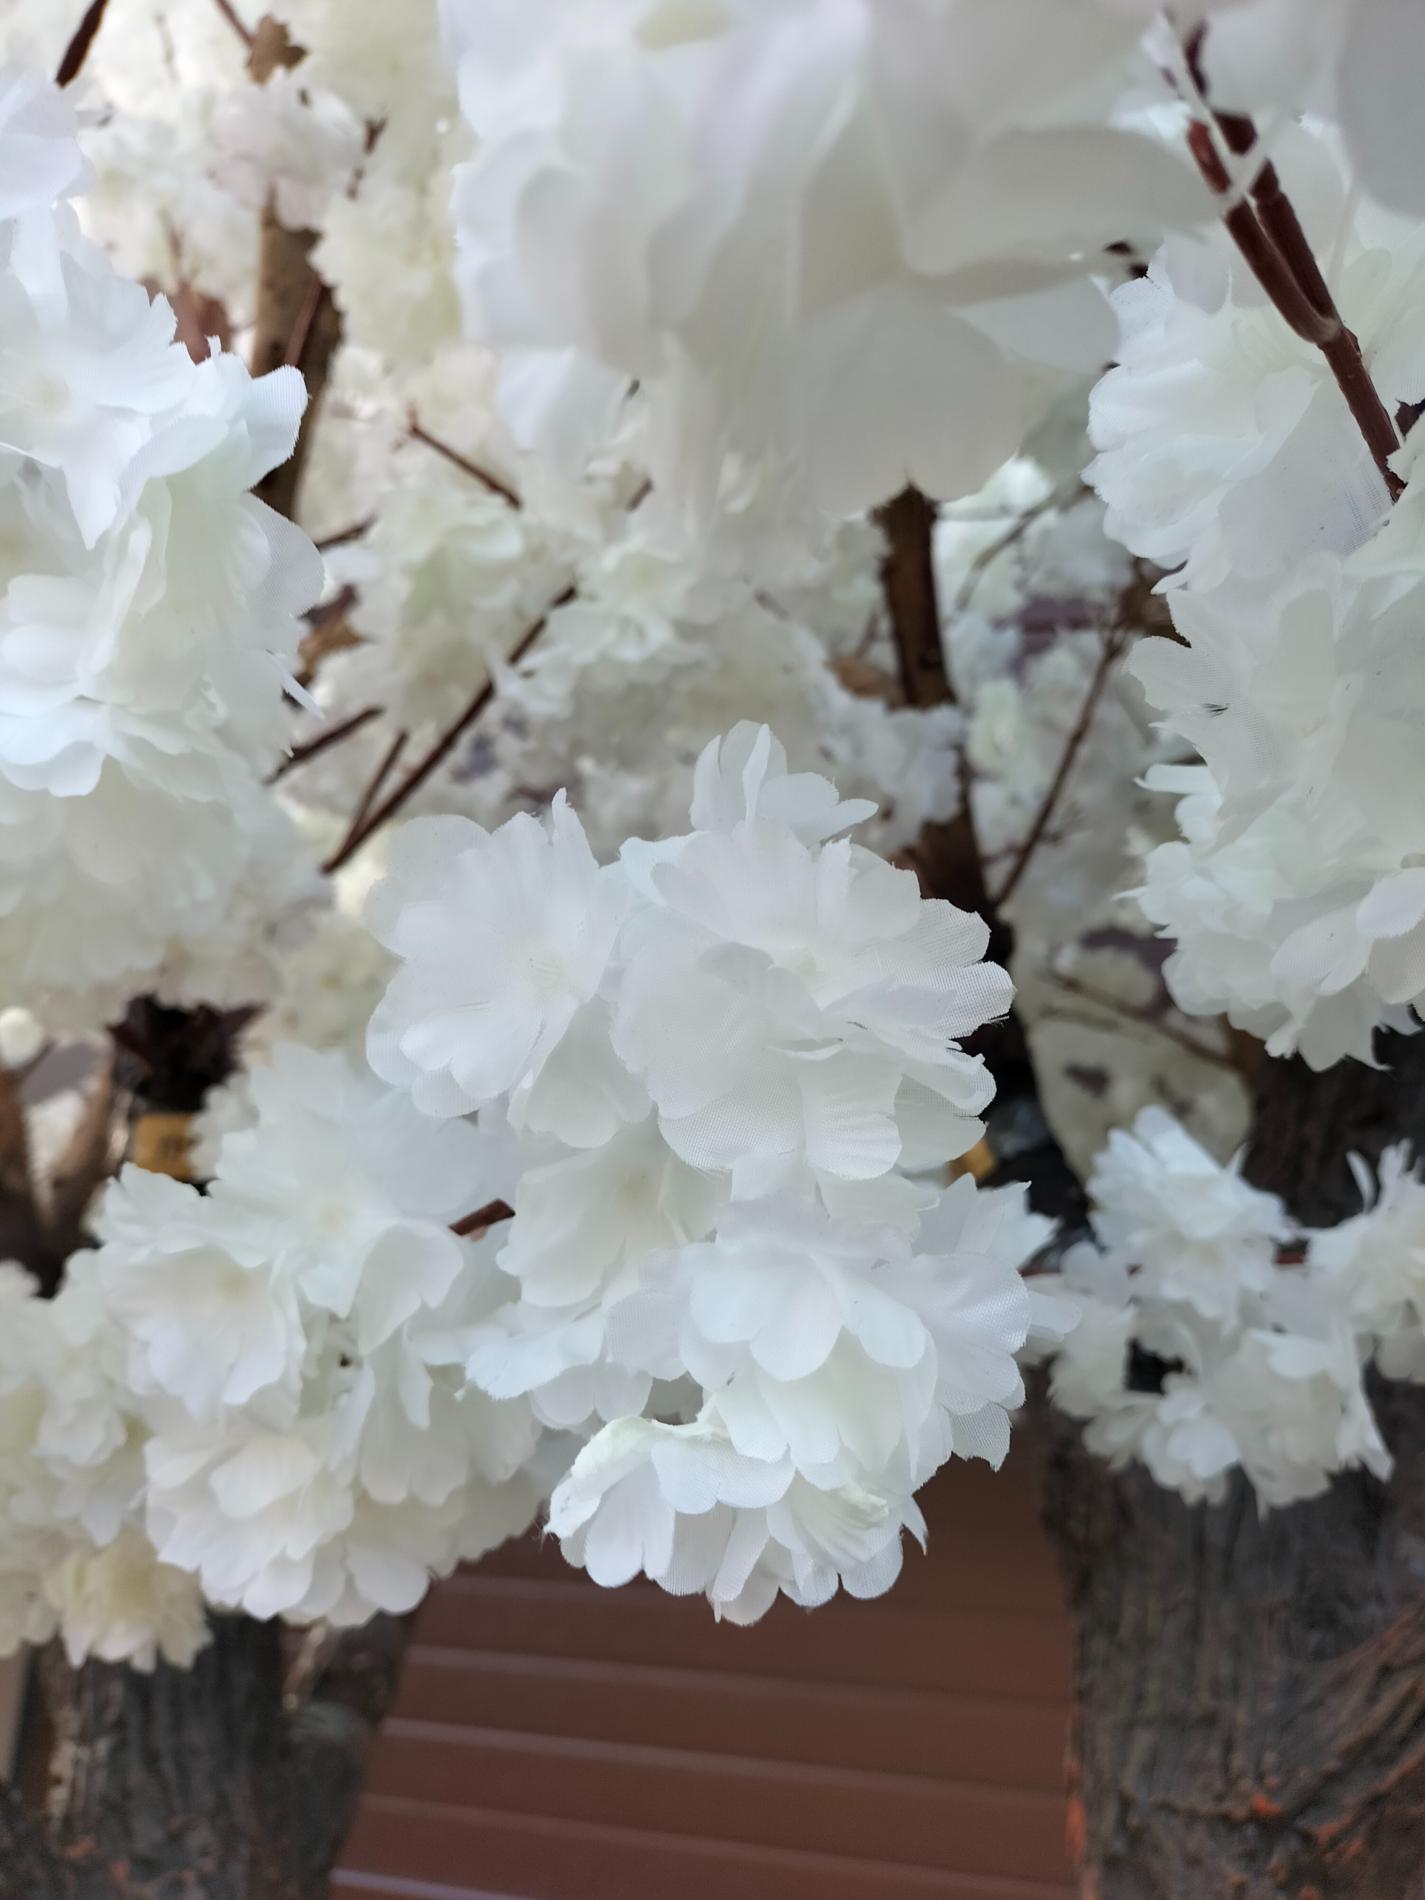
(546, 1859)
(830, 1724)
(969, 1652)
(905, 1819)
(555, 1741)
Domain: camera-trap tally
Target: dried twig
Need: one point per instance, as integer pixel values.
(244, 33)
(345, 536)
(77, 50)
(487, 1216)
(439, 750)
(462, 462)
(332, 735)
(1113, 646)
(384, 769)
(1144, 1017)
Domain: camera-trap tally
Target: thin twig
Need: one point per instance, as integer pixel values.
(333, 735)
(1016, 531)
(1145, 1017)
(378, 779)
(244, 33)
(345, 536)
(487, 1216)
(439, 751)
(1112, 648)
(77, 50)
(462, 462)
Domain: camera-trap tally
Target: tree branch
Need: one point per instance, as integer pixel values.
(331, 1733)
(1113, 645)
(77, 50)
(1271, 239)
(229, 13)
(439, 751)
(332, 735)
(908, 583)
(297, 321)
(462, 462)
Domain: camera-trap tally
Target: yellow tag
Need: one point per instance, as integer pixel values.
(162, 1142)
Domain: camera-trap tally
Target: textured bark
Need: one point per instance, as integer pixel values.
(297, 321)
(203, 1784)
(237, 1779)
(1250, 1692)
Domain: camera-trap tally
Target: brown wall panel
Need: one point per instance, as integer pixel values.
(553, 1741)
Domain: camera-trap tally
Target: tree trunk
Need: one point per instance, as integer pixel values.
(202, 1784)
(1250, 1692)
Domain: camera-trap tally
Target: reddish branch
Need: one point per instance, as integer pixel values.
(462, 462)
(1142, 1014)
(1113, 646)
(384, 769)
(1268, 233)
(487, 1216)
(332, 735)
(435, 756)
(244, 33)
(908, 582)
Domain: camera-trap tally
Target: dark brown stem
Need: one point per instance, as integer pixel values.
(1142, 1016)
(1112, 648)
(490, 1215)
(345, 536)
(77, 50)
(229, 13)
(1276, 248)
(908, 583)
(462, 462)
(438, 752)
(329, 736)
(297, 322)
(384, 769)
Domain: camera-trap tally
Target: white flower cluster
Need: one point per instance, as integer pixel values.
(148, 606)
(295, 1340)
(1227, 452)
(863, 274)
(73, 1557)
(1213, 1335)
(717, 1061)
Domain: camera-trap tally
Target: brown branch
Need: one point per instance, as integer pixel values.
(296, 322)
(77, 50)
(1270, 237)
(378, 778)
(331, 1734)
(439, 751)
(1012, 535)
(1112, 647)
(345, 536)
(229, 13)
(490, 1215)
(1140, 1013)
(908, 583)
(333, 735)
(462, 462)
